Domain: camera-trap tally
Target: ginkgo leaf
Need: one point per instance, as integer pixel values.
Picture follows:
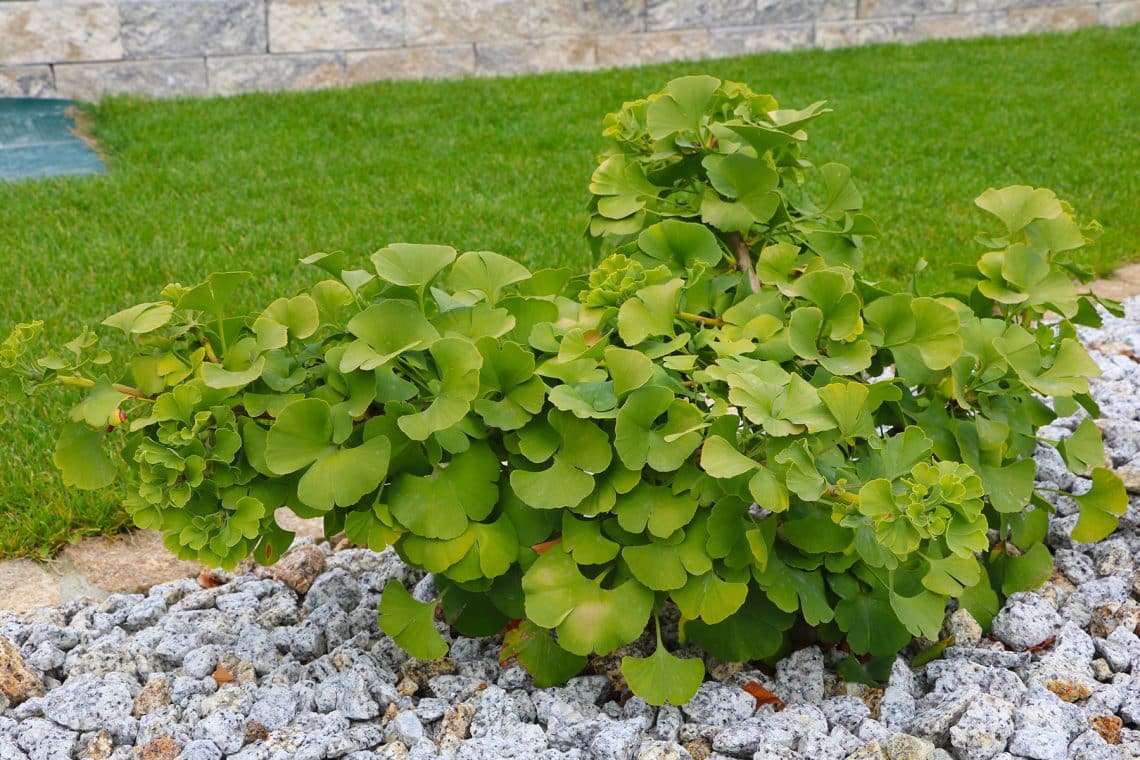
(410, 623)
(663, 677)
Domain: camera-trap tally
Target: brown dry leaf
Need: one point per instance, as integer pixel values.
(206, 579)
(545, 546)
(1043, 645)
(221, 675)
(762, 695)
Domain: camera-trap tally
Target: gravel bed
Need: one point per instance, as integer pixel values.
(288, 663)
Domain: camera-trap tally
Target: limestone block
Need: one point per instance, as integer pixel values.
(168, 78)
(1057, 19)
(895, 8)
(229, 75)
(431, 62)
(26, 82)
(303, 26)
(436, 22)
(26, 585)
(181, 28)
(686, 14)
(834, 34)
(960, 26)
(973, 6)
(531, 56)
(1120, 14)
(50, 32)
(652, 47)
(794, 11)
(759, 39)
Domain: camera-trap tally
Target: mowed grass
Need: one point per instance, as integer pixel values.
(256, 182)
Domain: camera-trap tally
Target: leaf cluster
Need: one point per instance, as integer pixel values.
(722, 416)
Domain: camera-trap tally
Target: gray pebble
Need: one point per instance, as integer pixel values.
(1025, 621)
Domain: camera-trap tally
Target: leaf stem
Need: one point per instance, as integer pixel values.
(744, 260)
(702, 321)
(83, 382)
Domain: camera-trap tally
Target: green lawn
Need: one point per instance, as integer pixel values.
(256, 182)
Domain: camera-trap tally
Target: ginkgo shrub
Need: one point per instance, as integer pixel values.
(723, 415)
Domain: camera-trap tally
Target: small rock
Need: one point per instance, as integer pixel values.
(983, 730)
(617, 740)
(1108, 726)
(17, 681)
(660, 750)
(87, 702)
(299, 567)
(161, 748)
(961, 626)
(906, 747)
(153, 696)
(100, 746)
(1108, 617)
(717, 704)
(936, 713)
(799, 676)
(1025, 621)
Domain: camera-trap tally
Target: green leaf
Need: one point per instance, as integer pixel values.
(842, 195)
(657, 566)
(471, 613)
(721, 460)
(650, 313)
(709, 598)
(212, 295)
(922, 613)
(629, 369)
(871, 625)
(100, 407)
(662, 677)
(583, 539)
(410, 623)
(297, 316)
(640, 439)
(214, 376)
(141, 319)
(656, 508)
(952, 575)
(753, 632)
(485, 272)
(301, 433)
(1024, 572)
(587, 617)
(439, 505)
(458, 363)
(1084, 449)
(559, 486)
(749, 183)
(681, 107)
(386, 330)
(344, 477)
(1101, 507)
(1018, 205)
(412, 265)
(682, 245)
(534, 648)
(81, 459)
(981, 600)
(1009, 487)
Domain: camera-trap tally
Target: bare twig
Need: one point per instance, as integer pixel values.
(744, 260)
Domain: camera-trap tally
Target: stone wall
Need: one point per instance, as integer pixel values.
(87, 48)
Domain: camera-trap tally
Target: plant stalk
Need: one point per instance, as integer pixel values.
(744, 260)
(83, 382)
